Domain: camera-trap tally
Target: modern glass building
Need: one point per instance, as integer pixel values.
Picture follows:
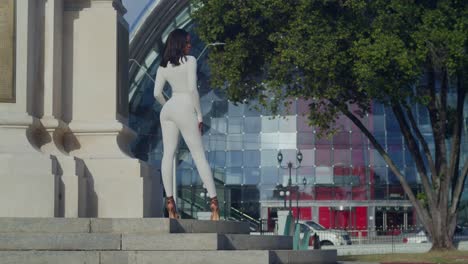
(342, 182)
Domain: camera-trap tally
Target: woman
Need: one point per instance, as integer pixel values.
(182, 113)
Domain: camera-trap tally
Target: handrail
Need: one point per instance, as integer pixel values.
(245, 215)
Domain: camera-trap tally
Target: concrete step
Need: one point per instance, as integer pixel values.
(48, 241)
(205, 242)
(95, 241)
(119, 225)
(173, 257)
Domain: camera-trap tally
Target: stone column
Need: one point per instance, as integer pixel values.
(69, 186)
(27, 180)
(94, 106)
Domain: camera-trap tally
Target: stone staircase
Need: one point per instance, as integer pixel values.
(144, 240)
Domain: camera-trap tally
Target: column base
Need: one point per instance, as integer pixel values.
(120, 188)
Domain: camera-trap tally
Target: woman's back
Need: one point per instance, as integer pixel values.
(183, 80)
(183, 77)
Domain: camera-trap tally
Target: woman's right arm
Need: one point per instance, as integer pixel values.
(158, 87)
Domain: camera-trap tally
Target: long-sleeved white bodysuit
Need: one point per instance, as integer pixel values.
(181, 113)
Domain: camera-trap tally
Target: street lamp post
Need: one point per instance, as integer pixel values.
(290, 166)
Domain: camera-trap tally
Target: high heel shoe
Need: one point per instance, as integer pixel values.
(214, 206)
(171, 207)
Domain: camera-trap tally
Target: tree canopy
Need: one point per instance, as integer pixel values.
(343, 55)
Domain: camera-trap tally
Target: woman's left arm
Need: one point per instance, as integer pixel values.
(192, 85)
(158, 87)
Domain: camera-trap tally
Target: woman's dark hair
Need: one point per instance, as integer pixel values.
(174, 49)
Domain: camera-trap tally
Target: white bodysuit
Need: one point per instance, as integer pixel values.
(181, 112)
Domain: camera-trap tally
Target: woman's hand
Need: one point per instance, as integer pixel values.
(200, 127)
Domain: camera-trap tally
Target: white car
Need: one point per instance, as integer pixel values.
(328, 237)
(421, 236)
(418, 236)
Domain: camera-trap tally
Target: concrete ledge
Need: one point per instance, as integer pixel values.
(130, 225)
(119, 225)
(303, 256)
(207, 226)
(46, 241)
(185, 257)
(249, 242)
(49, 257)
(171, 242)
(43, 225)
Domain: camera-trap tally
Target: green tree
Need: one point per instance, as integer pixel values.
(342, 55)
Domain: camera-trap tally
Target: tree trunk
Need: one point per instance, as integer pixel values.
(441, 232)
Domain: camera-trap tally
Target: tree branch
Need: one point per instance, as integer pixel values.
(419, 208)
(434, 114)
(458, 189)
(455, 155)
(446, 179)
(422, 141)
(413, 147)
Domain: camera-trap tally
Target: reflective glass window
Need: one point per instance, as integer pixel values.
(250, 110)
(219, 109)
(251, 141)
(341, 140)
(234, 158)
(266, 192)
(378, 123)
(235, 125)
(235, 110)
(377, 109)
(308, 157)
(196, 180)
(394, 138)
(396, 154)
(359, 157)
(303, 124)
(322, 143)
(234, 175)
(391, 121)
(220, 174)
(251, 176)
(380, 175)
(218, 126)
(358, 139)
(303, 106)
(323, 157)
(381, 139)
(251, 158)
(287, 140)
(287, 124)
(234, 142)
(323, 175)
(288, 107)
(269, 124)
(269, 140)
(218, 142)
(269, 175)
(308, 173)
(342, 157)
(184, 176)
(269, 158)
(410, 175)
(217, 158)
(343, 123)
(305, 140)
(376, 159)
(252, 125)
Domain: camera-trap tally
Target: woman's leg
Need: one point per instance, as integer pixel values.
(170, 136)
(192, 137)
